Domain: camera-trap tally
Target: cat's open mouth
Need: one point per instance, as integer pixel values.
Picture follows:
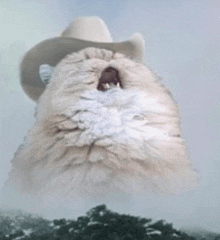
(109, 79)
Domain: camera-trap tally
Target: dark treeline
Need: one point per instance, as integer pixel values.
(99, 223)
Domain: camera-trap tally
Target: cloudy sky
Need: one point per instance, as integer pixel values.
(182, 45)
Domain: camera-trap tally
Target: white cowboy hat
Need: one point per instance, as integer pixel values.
(81, 33)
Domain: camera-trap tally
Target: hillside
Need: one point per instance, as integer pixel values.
(99, 223)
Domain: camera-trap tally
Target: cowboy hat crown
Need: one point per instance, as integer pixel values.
(81, 33)
(89, 29)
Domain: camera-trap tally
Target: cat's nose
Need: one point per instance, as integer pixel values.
(109, 78)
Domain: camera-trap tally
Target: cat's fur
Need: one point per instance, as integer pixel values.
(87, 142)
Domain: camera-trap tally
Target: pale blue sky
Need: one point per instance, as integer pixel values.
(182, 45)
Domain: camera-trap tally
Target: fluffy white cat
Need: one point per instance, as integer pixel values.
(93, 137)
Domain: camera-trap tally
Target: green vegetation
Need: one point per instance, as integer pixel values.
(99, 223)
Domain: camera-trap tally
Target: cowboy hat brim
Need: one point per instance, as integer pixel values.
(52, 51)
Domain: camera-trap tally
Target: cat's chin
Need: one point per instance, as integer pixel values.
(107, 118)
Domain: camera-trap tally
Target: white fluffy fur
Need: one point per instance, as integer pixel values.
(86, 142)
